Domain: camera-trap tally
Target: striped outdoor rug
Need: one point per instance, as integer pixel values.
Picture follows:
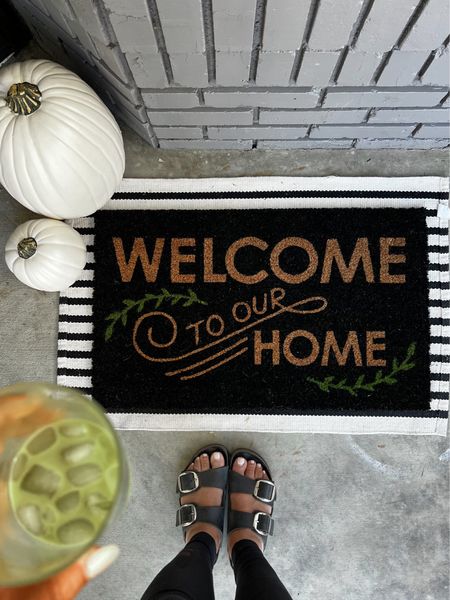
(265, 304)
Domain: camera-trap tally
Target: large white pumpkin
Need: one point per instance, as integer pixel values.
(61, 151)
(46, 254)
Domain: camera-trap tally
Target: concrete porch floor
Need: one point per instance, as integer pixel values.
(359, 517)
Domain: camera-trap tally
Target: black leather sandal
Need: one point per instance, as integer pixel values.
(190, 481)
(262, 489)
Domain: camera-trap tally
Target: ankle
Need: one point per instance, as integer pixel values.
(204, 528)
(239, 535)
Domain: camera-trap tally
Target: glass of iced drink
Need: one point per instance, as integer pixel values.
(63, 478)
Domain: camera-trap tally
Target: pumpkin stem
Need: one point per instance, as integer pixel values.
(27, 247)
(23, 98)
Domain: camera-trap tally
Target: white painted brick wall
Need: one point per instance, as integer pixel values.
(56, 6)
(359, 68)
(183, 33)
(172, 133)
(113, 58)
(122, 87)
(206, 144)
(262, 99)
(147, 69)
(408, 144)
(170, 99)
(402, 115)
(233, 35)
(361, 131)
(128, 101)
(132, 26)
(233, 25)
(183, 29)
(308, 117)
(438, 73)
(77, 31)
(334, 22)
(87, 12)
(373, 98)
(380, 35)
(189, 70)
(142, 129)
(256, 133)
(433, 131)
(303, 144)
(201, 117)
(232, 68)
(402, 68)
(278, 51)
(317, 68)
(288, 17)
(274, 68)
(431, 29)
(223, 80)
(59, 12)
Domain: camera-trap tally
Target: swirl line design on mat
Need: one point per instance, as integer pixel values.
(208, 359)
(292, 308)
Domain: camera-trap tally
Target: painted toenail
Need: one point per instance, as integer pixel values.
(204, 455)
(216, 456)
(258, 465)
(240, 461)
(252, 462)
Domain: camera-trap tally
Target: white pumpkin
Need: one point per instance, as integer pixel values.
(46, 254)
(61, 151)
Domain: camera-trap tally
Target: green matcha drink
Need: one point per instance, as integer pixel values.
(63, 482)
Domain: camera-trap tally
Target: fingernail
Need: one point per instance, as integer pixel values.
(240, 461)
(101, 560)
(216, 456)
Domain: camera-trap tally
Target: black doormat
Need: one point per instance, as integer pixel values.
(218, 316)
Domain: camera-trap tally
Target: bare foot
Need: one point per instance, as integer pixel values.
(247, 503)
(205, 496)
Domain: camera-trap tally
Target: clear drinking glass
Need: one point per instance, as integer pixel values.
(63, 478)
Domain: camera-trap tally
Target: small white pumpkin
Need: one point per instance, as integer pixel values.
(61, 151)
(46, 254)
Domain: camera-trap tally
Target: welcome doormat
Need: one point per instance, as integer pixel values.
(264, 304)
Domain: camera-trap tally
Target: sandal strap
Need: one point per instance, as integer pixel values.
(189, 481)
(260, 522)
(261, 489)
(188, 514)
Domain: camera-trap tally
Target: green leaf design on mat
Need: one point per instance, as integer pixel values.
(389, 378)
(164, 296)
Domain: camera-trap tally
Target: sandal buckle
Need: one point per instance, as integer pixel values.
(188, 482)
(186, 515)
(263, 486)
(263, 524)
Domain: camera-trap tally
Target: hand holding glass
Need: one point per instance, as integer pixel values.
(63, 476)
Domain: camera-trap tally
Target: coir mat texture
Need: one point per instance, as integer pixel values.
(264, 304)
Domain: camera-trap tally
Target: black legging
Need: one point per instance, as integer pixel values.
(189, 575)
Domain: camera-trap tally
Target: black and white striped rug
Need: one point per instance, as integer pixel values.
(265, 304)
